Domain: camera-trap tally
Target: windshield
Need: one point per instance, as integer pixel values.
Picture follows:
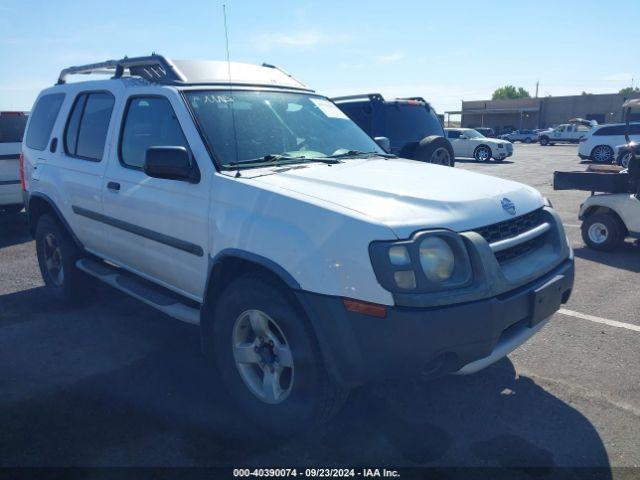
(472, 134)
(274, 127)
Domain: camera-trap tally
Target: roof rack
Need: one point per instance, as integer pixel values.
(374, 97)
(154, 68)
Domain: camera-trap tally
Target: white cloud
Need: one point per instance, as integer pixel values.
(391, 58)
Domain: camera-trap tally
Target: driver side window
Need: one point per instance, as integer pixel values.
(148, 122)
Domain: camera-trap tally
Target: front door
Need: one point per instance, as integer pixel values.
(157, 227)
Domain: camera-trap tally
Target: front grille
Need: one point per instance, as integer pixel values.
(520, 249)
(511, 228)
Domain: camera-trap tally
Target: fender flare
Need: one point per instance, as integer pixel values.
(45, 198)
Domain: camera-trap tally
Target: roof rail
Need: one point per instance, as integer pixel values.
(374, 97)
(268, 65)
(154, 68)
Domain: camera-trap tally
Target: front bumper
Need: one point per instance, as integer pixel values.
(429, 341)
(582, 156)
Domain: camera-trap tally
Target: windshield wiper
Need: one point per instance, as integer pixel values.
(280, 160)
(359, 153)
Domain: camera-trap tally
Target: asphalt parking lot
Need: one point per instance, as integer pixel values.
(111, 382)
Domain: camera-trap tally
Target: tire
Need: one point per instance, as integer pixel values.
(527, 140)
(57, 256)
(624, 159)
(434, 149)
(304, 395)
(603, 231)
(602, 154)
(544, 141)
(482, 153)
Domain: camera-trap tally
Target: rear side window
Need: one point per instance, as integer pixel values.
(12, 127)
(149, 122)
(42, 119)
(88, 124)
(409, 122)
(612, 130)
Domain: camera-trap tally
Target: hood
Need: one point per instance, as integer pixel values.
(406, 195)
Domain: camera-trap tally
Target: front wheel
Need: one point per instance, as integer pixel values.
(482, 154)
(527, 140)
(544, 141)
(268, 357)
(603, 231)
(624, 159)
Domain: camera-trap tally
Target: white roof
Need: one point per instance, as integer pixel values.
(159, 69)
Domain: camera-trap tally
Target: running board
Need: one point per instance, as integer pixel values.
(129, 283)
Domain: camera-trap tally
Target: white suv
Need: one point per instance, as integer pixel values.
(600, 144)
(11, 130)
(253, 207)
(469, 143)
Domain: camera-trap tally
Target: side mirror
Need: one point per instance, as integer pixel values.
(171, 163)
(383, 143)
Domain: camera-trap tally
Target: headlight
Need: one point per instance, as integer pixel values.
(429, 261)
(436, 259)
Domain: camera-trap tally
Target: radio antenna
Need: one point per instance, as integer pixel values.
(233, 114)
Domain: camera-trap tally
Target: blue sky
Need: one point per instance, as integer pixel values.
(443, 51)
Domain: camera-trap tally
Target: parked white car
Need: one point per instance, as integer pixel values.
(11, 130)
(233, 197)
(565, 133)
(600, 144)
(469, 143)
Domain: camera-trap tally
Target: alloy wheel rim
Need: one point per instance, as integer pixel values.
(262, 356)
(441, 157)
(53, 259)
(601, 154)
(598, 233)
(482, 154)
(624, 162)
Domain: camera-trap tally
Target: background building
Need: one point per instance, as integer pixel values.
(531, 113)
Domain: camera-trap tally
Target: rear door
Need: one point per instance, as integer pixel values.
(158, 228)
(79, 158)
(12, 125)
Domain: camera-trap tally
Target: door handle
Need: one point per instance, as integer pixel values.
(115, 186)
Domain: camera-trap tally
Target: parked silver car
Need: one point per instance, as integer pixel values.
(524, 136)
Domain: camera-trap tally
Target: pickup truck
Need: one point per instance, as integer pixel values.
(235, 198)
(565, 133)
(12, 126)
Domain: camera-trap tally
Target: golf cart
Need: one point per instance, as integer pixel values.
(613, 213)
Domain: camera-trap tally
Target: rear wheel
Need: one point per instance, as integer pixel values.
(57, 255)
(434, 149)
(268, 357)
(527, 140)
(603, 231)
(602, 154)
(482, 153)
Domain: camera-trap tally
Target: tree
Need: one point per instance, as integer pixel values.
(509, 91)
(629, 90)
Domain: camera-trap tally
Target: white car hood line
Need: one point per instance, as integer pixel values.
(406, 195)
